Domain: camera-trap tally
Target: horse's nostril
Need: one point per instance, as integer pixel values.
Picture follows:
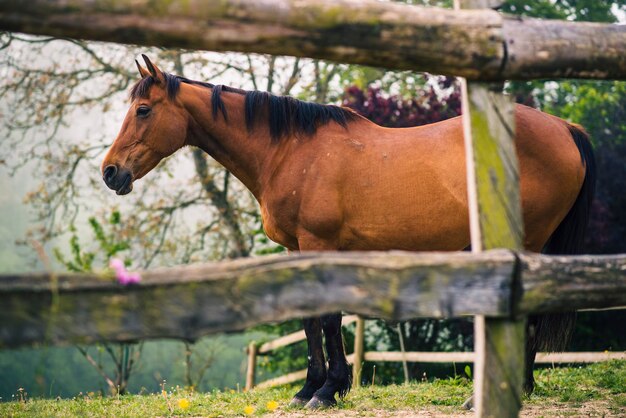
(109, 173)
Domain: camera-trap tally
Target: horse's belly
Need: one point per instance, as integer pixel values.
(447, 230)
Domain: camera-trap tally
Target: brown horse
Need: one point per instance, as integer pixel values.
(328, 179)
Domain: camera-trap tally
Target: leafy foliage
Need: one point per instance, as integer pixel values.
(579, 10)
(438, 100)
(124, 356)
(109, 245)
(601, 108)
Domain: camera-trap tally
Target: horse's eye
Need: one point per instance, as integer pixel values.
(143, 111)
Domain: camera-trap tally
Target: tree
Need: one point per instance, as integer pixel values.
(198, 359)
(437, 100)
(197, 214)
(93, 83)
(62, 102)
(124, 356)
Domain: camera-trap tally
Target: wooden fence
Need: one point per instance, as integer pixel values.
(191, 301)
(500, 288)
(359, 356)
(476, 44)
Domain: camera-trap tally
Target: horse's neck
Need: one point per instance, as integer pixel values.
(226, 139)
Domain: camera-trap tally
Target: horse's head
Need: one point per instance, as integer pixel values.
(154, 128)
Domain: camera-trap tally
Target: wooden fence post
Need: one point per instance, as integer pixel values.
(359, 349)
(495, 222)
(251, 372)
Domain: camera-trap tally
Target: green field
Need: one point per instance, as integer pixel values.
(596, 390)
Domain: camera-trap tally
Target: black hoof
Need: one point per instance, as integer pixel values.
(469, 403)
(298, 402)
(319, 403)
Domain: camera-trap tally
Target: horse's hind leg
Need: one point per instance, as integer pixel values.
(339, 377)
(547, 332)
(530, 354)
(316, 371)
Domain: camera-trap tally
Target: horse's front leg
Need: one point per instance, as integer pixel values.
(316, 371)
(339, 377)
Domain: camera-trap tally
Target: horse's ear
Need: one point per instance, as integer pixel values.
(154, 70)
(142, 71)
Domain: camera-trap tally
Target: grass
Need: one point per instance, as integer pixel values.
(603, 383)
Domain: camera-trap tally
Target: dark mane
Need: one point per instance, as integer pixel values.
(285, 115)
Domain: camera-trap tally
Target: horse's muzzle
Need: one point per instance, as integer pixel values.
(120, 180)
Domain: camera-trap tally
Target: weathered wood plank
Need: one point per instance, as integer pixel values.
(192, 301)
(581, 357)
(359, 348)
(495, 222)
(498, 366)
(559, 44)
(420, 356)
(455, 357)
(284, 379)
(474, 44)
(492, 167)
(251, 370)
(468, 357)
(558, 283)
(283, 341)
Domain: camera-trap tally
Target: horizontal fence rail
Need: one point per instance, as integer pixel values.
(476, 44)
(295, 337)
(449, 357)
(191, 301)
(268, 347)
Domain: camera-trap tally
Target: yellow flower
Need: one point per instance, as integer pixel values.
(272, 405)
(248, 410)
(183, 403)
(164, 393)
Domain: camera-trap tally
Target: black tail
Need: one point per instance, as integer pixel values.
(569, 237)
(552, 332)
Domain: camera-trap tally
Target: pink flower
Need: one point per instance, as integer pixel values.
(116, 264)
(123, 277)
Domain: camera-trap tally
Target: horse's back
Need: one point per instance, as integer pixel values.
(373, 188)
